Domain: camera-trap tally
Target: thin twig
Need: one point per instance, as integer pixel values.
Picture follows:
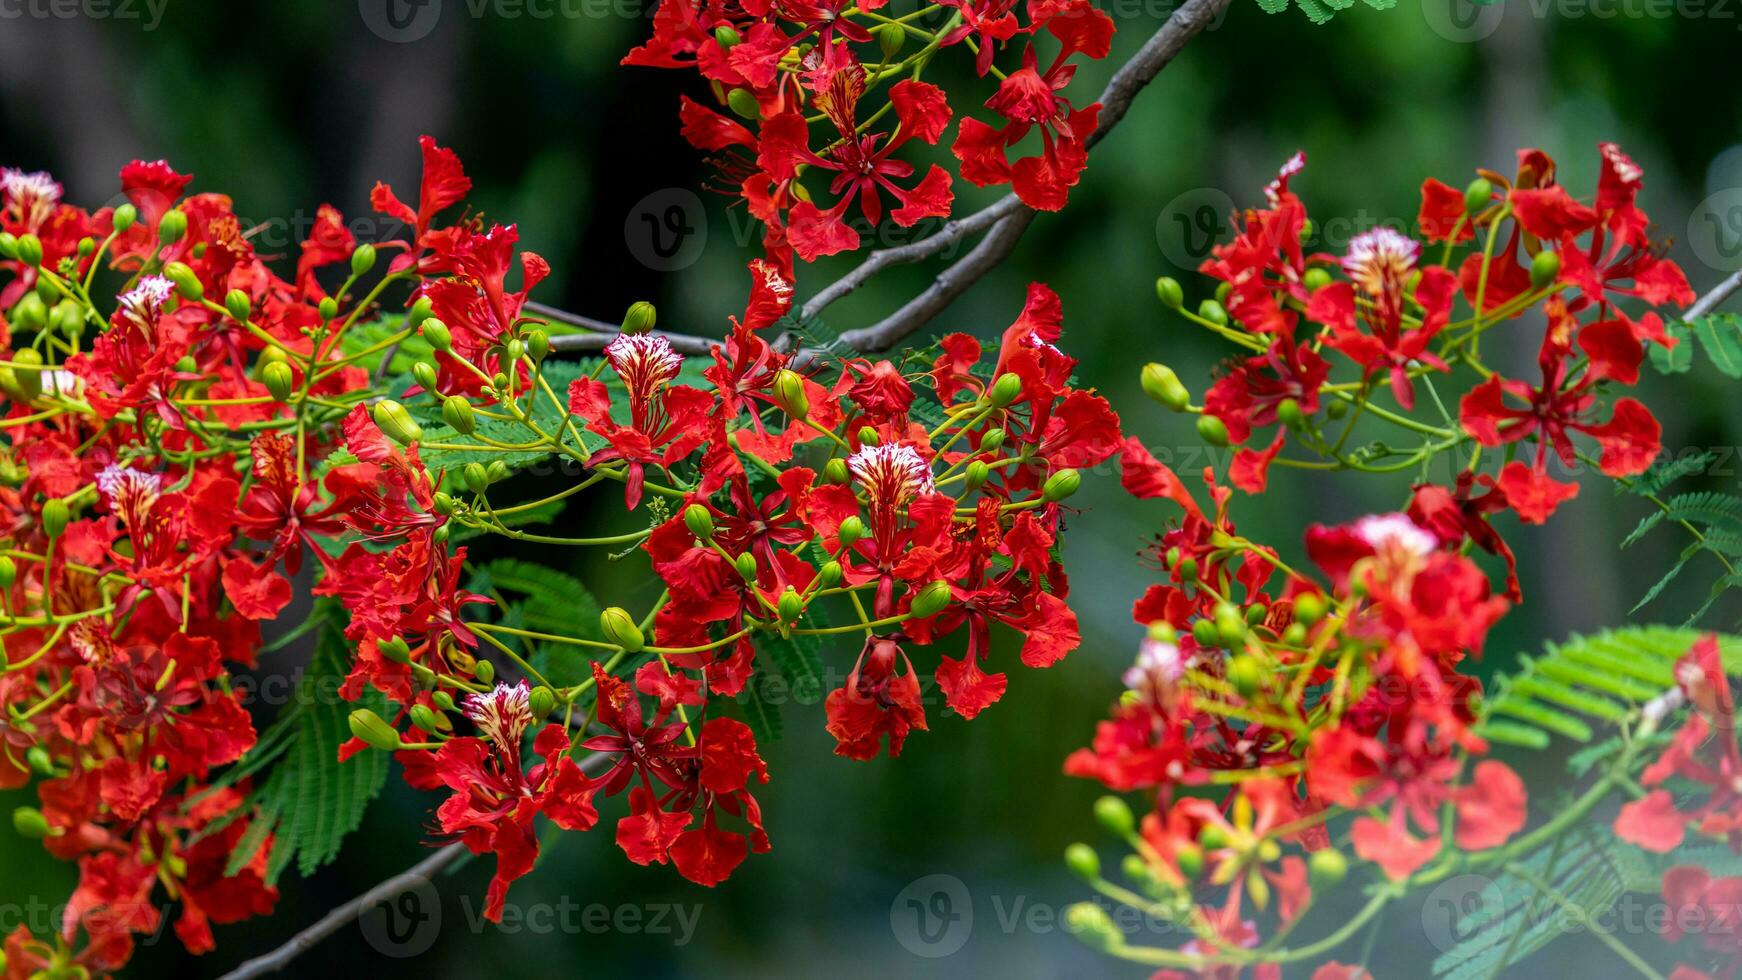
(564, 316)
(1709, 302)
(687, 344)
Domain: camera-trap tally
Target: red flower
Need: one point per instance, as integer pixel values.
(876, 702)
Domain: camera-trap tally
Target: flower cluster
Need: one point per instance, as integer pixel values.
(179, 463)
(1279, 716)
(804, 76)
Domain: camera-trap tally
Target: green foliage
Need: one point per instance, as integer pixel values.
(311, 801)
(547, 413)
(543, 600)
(1713, 519)
(1719, 335)
(1321, 11)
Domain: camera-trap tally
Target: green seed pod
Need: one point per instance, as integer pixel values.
(789, 394)
(1212, 311)
(8, 571)
(640, 317)
(29, 381)
(457, 413)
(744, 103)
(1163, 385)
(55, 516)
(1114, 816)
(1326, 868)
(1544, 268)
(368, 726)
(429, 721)
(852, 529)
(977, 475)
(29, 250)
(279, 380)
(930, 600)
(791, 605)
(477, 478)
(868, 436)
(29, 822)
(1212, 430)
(125, 215)
(172, 227)
(1005, 390)
(424, 373)
(1316, 278)
(726, 36)
(699, 520)
(328, 309)
(835, 472)
(1309, 608)
(1245, 674)
(239, 305)
(619, 627)
(1167, 289)
(542, 702)
(1083, 862)
(746, 566)
(396, 423)
(1060, 485)
(1477, 195)
(363, 259)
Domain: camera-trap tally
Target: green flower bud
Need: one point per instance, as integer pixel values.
(1245, 674)
(699, 520)
(239, 305)
(54, 517)
(8, 571)
(1136, 869)
(992, 441)
(363, 259)
(8, 245)
(1163, 385)
(513, 350)
(726, 36)
(1255, 613)
(542, 702)
(1083, 862)
(1336, 409)
(67, 319)
(1114, 815)
(1212, 837)
(1309, 608)
(419, 312)
(1544, 268)
(791, 605)
(1477, 195)
(1005, 390)
(497, 469)
(977, 475)
(424, 373)
(328, 309)
(789, 394)
(1230, 624)
(830, 575)
(124, 217)
(39, 760)
(1091, 924)
(279, 380)
(1212, 430)
(852, 529)
(29, 822)
(930, 600)
(640, 317)
(744, 103)
(31, 313)
(29, 381)
(1295, 635)
(1204, 631)
(457, 413)
(29, 250)
(1060, 485)
(835, 472)
(429, 721)
(442, 503)
(395, 648)
(537, 345)
(1190, 858)
(746, 566)
(1167, 289)
(1316, 278)
(868, 436)
(172, 227)
(443, 700)
(619, 627)
(890, 38)
(484, 671)
(1288, 413)
(477, 478)
(1326, 868)
(396, 423)
(1212, 311)
(368, 726)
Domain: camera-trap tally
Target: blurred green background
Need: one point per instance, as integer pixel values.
(285, 106)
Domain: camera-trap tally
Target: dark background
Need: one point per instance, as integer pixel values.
(285, 106)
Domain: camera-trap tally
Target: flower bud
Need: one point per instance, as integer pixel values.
(1295, 635)
(328, 308)
(1083, 862)
(640, 317)
(1288, 413)
(441, 502)
(992, 441)
(1190, 858)
(1309, 608)
(835, 471)
(29, 250)
(1245, 674)
(789, 393)
(619, 627)
(1167, 289)
(699, 520)
(442, 700)
(29, 822)
(830, 575)
(363, 259)
(1163, 385)
(1114, 815)
(930, 600)
(868, 436)
(477, 479)
(424, 373)
(1212, 430)
(29, 381)
(743, 102)
(1316, 278)
(1477, 195)
(279, 380)
(54, 517)
(727, 36)
(39, 760)
(484, 671)
(1091, 924)
(172, 227)
(1212, 311)
(542, 702)
(437, 334)
(1212, 837)
(1005, 390)
(1188, 570)
(31, 313)
(852, 529)
(8, 571)
(890, 38)
(395, 649)
(1060, 485)
(791, 605)
(240, 307)
(457, 413)
(396, 423)
(513, 350)
(537, 345)
(124, 217)
(1326, 868)
(429, 721)
(368, 727)
(1544, 268)
(746, 566)
(8, 245)
(977, 475)
(1255, 613)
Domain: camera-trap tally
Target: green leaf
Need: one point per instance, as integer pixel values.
(1721, 338)
(544, 600)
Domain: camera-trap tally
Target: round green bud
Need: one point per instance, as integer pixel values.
(1005, 390)
(1255, 613)
(39, 760)
(328, 308)
(1316, 278)
(1091, 924)
(1083, 862)
(640, 317)
(542, 702)
(1477, 195)
(726, 36)
(619, 627)
(1190, 858)
(369, 728)
(172, 227)
(442, 700)
(1212, 838)
(791, 605)
(890, 38)
(743, 102)
(830, 575)
(852, 529)
(428, 721)
(1115, 816)
(484, 671)
(30, 313)
(457, 413)
(279, 380)
(1245, 674)
(514, 350)
(8, 571)
(992, 441)
(699, 520)
(424, 373)
(1214, 312)
(835, 471)
(395, 649)
(55, 516)
(1326, 868)
(1295, 635)
(930, 600)
(868, 436)
(8, 245)
(1168, 290)
(1544, 268)
(789, 393)
(362, 259)
(239, 305)
(1230, 624)
(419, 312)
(1188, 570)
(537, 345)
(1060, 485)
(1205, 632)
(125, 215)
(29, 250)
(976, 476)
(29, 822)
(1309, 608)
(29, 381)
(1162, 384)
(746, 566)
(476, 476)
(1288, 412)
(1212, 430)
(442, 503)
(396, 423)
